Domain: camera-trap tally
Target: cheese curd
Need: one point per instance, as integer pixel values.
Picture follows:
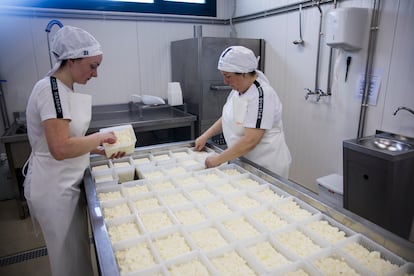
(370, 259)
(218, 208)
(194, 267)
(240, 228)
(105, 196)
(269, 195)
(163, 186)
(225, 188)
(247, 183)
(189, 162)
(245, 202)
(270, 219)
(140, 161)
(298, 242)
(175, 170)
(146, 204)
(180, 154)
(292, 209)
(333, 266)
(100, 168)
(152, 174)
(156, 221)
(161, 157)
(175, 199)
(238, 265)
(231, 172)
(268, 255)
(187, 181)
(117, 211)
(134, 258)
(103, 178)
(209, 177)
(208, 238)
(123, 231)
(172, 246)
(201, 194)
(191, 216)
(299, 272)
(136, 190)
(325, 230)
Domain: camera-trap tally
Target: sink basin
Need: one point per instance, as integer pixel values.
(385, 144)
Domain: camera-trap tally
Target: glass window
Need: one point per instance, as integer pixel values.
(181, 7)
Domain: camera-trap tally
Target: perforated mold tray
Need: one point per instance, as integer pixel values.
(371, 255)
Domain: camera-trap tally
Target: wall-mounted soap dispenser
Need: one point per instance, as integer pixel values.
(346, 27)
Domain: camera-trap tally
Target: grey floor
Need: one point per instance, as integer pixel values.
(22, 252)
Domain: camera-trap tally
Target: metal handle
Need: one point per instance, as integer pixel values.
(220, 87)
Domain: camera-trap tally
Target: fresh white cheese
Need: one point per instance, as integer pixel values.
(156, 221)
(190, 216)
(240, 228)
(333, 266)
(270, 219)
(226, 189)
(326, 231)
(247, 183)
(163, 186)
(134, 258)
(174, 199)
(193, 267)
(245, 202)
(172, 246)
(123, 231)
(117, 211)
(370, 259)
(175, 170)
(298, 242)
(187, 181)
(105, 196)
(218, 208)
(268, 255)
(232, 264)
(231, 172)
(136, 190)
(269, 195)
(208, 238)
(201, 194)
(146, 204)
(292, 209)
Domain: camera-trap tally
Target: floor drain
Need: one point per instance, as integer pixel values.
(23, 256)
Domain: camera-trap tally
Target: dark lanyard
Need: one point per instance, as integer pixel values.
(260, 107)
(56, 99)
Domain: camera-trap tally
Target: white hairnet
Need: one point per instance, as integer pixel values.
(71, 43)
(238, 59)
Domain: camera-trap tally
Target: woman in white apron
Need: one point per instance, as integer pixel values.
(57, 120)
(251, 120)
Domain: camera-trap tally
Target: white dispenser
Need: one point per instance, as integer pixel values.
(175, 95)
(346, 27)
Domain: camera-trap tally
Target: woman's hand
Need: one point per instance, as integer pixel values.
(200, 142)
(212, 161)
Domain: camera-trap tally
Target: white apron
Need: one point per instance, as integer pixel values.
(52, 190)
(271, 153)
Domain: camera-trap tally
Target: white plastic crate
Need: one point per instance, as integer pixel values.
(124, 168)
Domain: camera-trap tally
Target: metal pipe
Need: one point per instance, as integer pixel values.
(47, 30)
(368, 67)
(329, 80)
(319, 48)
(403, 108)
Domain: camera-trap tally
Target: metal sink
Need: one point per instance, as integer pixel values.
(385, 144)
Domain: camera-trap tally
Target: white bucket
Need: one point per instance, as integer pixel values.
(175, 95)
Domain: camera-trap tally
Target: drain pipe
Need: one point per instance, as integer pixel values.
(329, 81)
(368, 67)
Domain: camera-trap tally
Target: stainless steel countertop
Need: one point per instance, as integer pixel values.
(106, 259)
(142, 118)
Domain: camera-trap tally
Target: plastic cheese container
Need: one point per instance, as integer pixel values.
(125, 140)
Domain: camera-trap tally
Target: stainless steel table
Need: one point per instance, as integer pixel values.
(106, 260)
